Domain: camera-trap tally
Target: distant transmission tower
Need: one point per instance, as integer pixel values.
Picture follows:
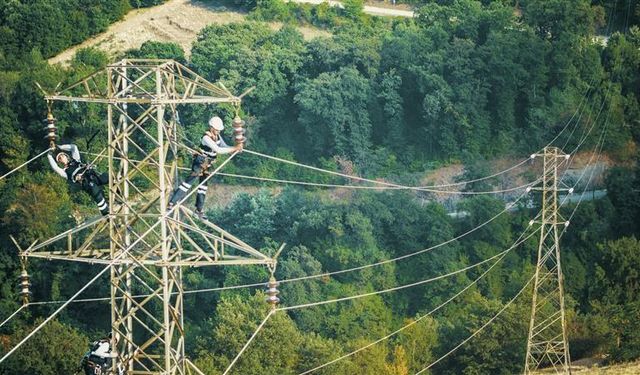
(147, 245)
(547, 345)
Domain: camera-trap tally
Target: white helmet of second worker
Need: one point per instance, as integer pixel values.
(216, 123)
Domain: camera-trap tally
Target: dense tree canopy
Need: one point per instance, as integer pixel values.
(465, 81)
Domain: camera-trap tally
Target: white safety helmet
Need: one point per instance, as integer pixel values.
(60, 156)
(216, 123)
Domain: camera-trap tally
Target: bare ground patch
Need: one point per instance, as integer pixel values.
(177, 21)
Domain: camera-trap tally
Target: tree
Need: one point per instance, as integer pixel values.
(617, 277)
(353, 8)
(250, 216)
(39, 210)
(159, 50)
(621, 185)
(274, 350)
(333, 111)
(419, 342)
(56, 349)
(389, 130)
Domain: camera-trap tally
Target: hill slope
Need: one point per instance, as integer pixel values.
(177, 21)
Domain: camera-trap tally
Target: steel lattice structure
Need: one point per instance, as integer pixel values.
(547, 344)
(146, 244)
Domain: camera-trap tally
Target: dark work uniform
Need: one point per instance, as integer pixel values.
(209, 150)
(88, 179)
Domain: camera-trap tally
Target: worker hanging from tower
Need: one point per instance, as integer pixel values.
(211, 144)
(73, 169)
(77, 172)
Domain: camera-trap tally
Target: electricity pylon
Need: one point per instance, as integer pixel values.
(146, 244)
(547, 344)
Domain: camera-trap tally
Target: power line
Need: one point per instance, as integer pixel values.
(413, 322)
(357, 178)
(246, 345)
(14, 314)
(327, 273)
(598, 152)
(55, 313)
(600, 145)
(364, 187)
(405, 286)
(108, 267)
(440, 306)
(23, 164)
(356, 187)
(324, 274)
(501, 254)
(479, 329)
(419, 188)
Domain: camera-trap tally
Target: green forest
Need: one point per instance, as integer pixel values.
(465, 81)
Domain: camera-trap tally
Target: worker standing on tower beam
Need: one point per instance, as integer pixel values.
(76, 172)
(211, 144)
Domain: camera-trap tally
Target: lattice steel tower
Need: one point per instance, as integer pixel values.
(547, 344)
(145, 244)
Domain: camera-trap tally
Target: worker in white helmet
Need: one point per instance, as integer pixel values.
(80, 174)
(211, 145)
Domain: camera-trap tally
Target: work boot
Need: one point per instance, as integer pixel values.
(201, 214)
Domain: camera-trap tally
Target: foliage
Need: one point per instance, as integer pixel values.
(334, 113)
(464, 81)
(56, 349)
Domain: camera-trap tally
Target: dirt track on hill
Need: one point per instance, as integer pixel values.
(177, 21)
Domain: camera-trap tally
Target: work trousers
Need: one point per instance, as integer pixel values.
(92, 183)
(199, 168)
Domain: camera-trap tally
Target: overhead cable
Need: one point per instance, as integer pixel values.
(23, 164)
